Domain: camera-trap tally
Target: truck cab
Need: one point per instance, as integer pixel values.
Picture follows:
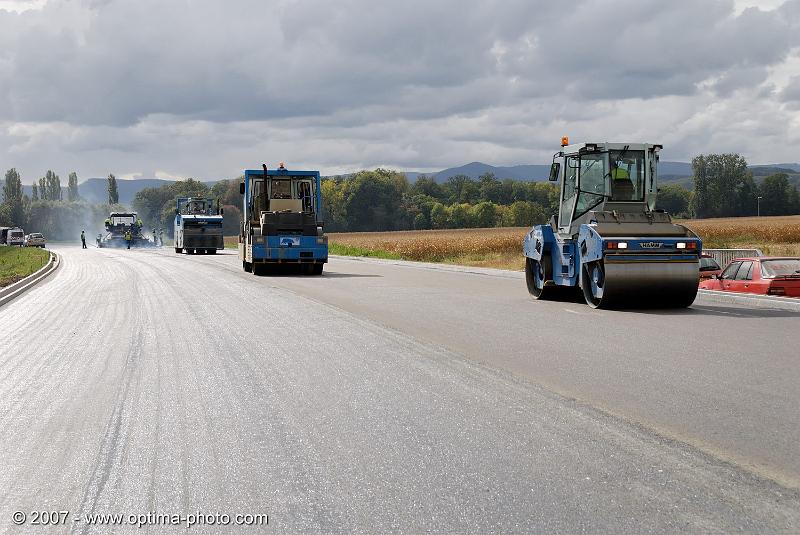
(281, 223)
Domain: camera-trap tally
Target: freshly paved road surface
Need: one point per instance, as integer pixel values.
(388, 398)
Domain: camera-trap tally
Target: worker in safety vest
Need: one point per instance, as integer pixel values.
(108, 223)
(139, 223)
(621, 186)
(128, 238)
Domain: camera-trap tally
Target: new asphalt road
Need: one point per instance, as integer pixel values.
(385, 397)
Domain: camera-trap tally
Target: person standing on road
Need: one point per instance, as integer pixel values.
(128, 238)
(83, 239)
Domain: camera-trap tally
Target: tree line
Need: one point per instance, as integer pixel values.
(380, 200)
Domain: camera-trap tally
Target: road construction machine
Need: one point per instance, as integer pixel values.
(281, 222)
(198, 225)
(608, 240)
(118, 226)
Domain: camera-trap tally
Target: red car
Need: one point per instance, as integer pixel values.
(761, 275)
(708, 267)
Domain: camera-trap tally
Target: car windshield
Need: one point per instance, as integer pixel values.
(784, 267)
(708, 264)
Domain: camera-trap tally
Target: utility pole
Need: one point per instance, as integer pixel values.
(758, 204)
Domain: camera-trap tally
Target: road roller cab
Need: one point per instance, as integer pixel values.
(608, 240)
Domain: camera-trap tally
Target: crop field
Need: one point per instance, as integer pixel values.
(778, 235)
(18, 262)
(490, 247)
(502, 247)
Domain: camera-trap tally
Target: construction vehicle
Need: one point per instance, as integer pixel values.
(608, 240)
(118, 225)
(198, 226)
(281, 223)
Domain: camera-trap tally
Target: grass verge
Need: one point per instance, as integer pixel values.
(16, 263)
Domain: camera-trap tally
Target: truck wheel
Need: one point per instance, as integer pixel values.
(212, 251)
(593, 282)
(259, 269)
(247, 267)
(536, 276)
(178, 250)
(316, 269)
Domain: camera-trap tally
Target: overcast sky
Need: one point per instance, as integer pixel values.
(207, 88)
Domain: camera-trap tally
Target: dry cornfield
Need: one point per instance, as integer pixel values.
(754, 231)
(502, 247)
(436, 245)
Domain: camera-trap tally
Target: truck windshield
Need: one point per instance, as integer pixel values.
(627, 175)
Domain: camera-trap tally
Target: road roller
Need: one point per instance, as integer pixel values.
(608, 241)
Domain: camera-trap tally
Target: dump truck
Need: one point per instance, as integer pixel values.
(118, 225)
(198, 225)
(608, 240)
(281, 223)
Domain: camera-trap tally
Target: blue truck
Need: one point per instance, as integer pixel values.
(281, 221)
(198, 225)
(608, 240)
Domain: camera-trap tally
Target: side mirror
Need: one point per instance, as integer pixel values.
(241, 188)
(221, 211)
(555, 169)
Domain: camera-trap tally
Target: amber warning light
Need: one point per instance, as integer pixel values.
(564, 141)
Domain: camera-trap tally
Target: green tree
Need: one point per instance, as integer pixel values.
(113, 192)
(72, 187)
(524, 214)
(776, 195)
(425, 185)
(439, 216)
(12, 198)
(674, 199)
(460, 216)
(50, 186)
(718, 181)
(490, 189)
(484, 214)
(373, 200)
(34, 192)
(334, 214)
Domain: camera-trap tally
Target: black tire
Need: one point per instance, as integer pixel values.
(247, 267)
(592, 283)
(212, 251)
(537, 276)
(178, 250)
(317, 269)
(258, 269)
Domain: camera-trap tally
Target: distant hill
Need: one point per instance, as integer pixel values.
(94, 189)
(533, 173)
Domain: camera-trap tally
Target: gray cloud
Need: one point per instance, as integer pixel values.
(205, 88)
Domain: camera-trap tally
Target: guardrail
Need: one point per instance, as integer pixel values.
(14, 290)
(723, 256)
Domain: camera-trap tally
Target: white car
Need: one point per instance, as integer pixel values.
(34, 239)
